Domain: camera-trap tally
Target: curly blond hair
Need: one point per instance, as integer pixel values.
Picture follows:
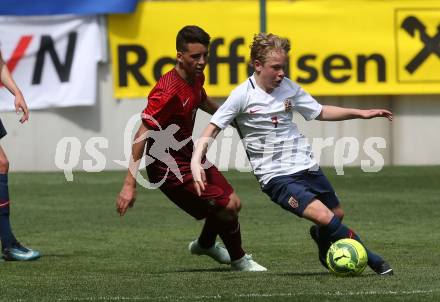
(263, 44)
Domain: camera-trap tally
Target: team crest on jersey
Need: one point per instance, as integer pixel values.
(293, 202)
(288, 105)
(274, 121)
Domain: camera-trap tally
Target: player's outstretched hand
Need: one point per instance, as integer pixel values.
(199, 177)
(125, 200)
(372, 113)
(20, 106)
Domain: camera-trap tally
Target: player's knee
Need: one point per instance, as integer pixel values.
(339, 212)
(234, 203)
(230, 211)
(4, 165)
(323, 217)
(318, 213)
(227, 214)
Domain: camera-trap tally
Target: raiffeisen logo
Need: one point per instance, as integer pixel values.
(418, 45)
(308, 68)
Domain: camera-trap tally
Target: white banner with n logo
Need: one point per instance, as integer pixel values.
(52, 59)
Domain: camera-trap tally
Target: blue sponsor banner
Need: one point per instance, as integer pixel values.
(61, 7)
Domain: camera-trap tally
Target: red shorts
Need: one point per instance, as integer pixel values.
(215, 196)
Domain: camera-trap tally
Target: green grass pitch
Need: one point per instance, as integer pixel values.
(91, 254)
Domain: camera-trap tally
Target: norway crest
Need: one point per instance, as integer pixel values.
(293, 202)
(288, 105)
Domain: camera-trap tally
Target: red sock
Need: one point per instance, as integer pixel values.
(231, 235)
(209, 232)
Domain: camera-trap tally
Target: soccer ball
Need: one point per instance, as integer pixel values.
(347, 257)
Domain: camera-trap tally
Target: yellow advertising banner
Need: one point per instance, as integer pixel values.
(338, 47)
(361, 47)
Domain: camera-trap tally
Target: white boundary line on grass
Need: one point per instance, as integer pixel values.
(257, 295)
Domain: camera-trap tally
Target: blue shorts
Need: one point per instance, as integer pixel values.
(294, 192)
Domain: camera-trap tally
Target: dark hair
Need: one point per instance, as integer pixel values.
(191, 34)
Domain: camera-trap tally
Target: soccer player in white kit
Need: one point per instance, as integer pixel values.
(262, 108)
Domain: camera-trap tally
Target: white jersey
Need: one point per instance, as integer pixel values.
(265, 122)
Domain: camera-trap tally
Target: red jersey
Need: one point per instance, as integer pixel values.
(172, 104)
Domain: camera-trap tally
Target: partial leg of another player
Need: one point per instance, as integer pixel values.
(224, 222)
(206, 243)
(230, 233)
(221, 210)
(220, 222)
(12, 250)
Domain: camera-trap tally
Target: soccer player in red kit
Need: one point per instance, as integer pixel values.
(166, 129)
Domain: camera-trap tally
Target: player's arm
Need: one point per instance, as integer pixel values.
(209, 106)
(334, 113)
(220, 120)
(198, 173)
(9, 83)
(127, 196)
